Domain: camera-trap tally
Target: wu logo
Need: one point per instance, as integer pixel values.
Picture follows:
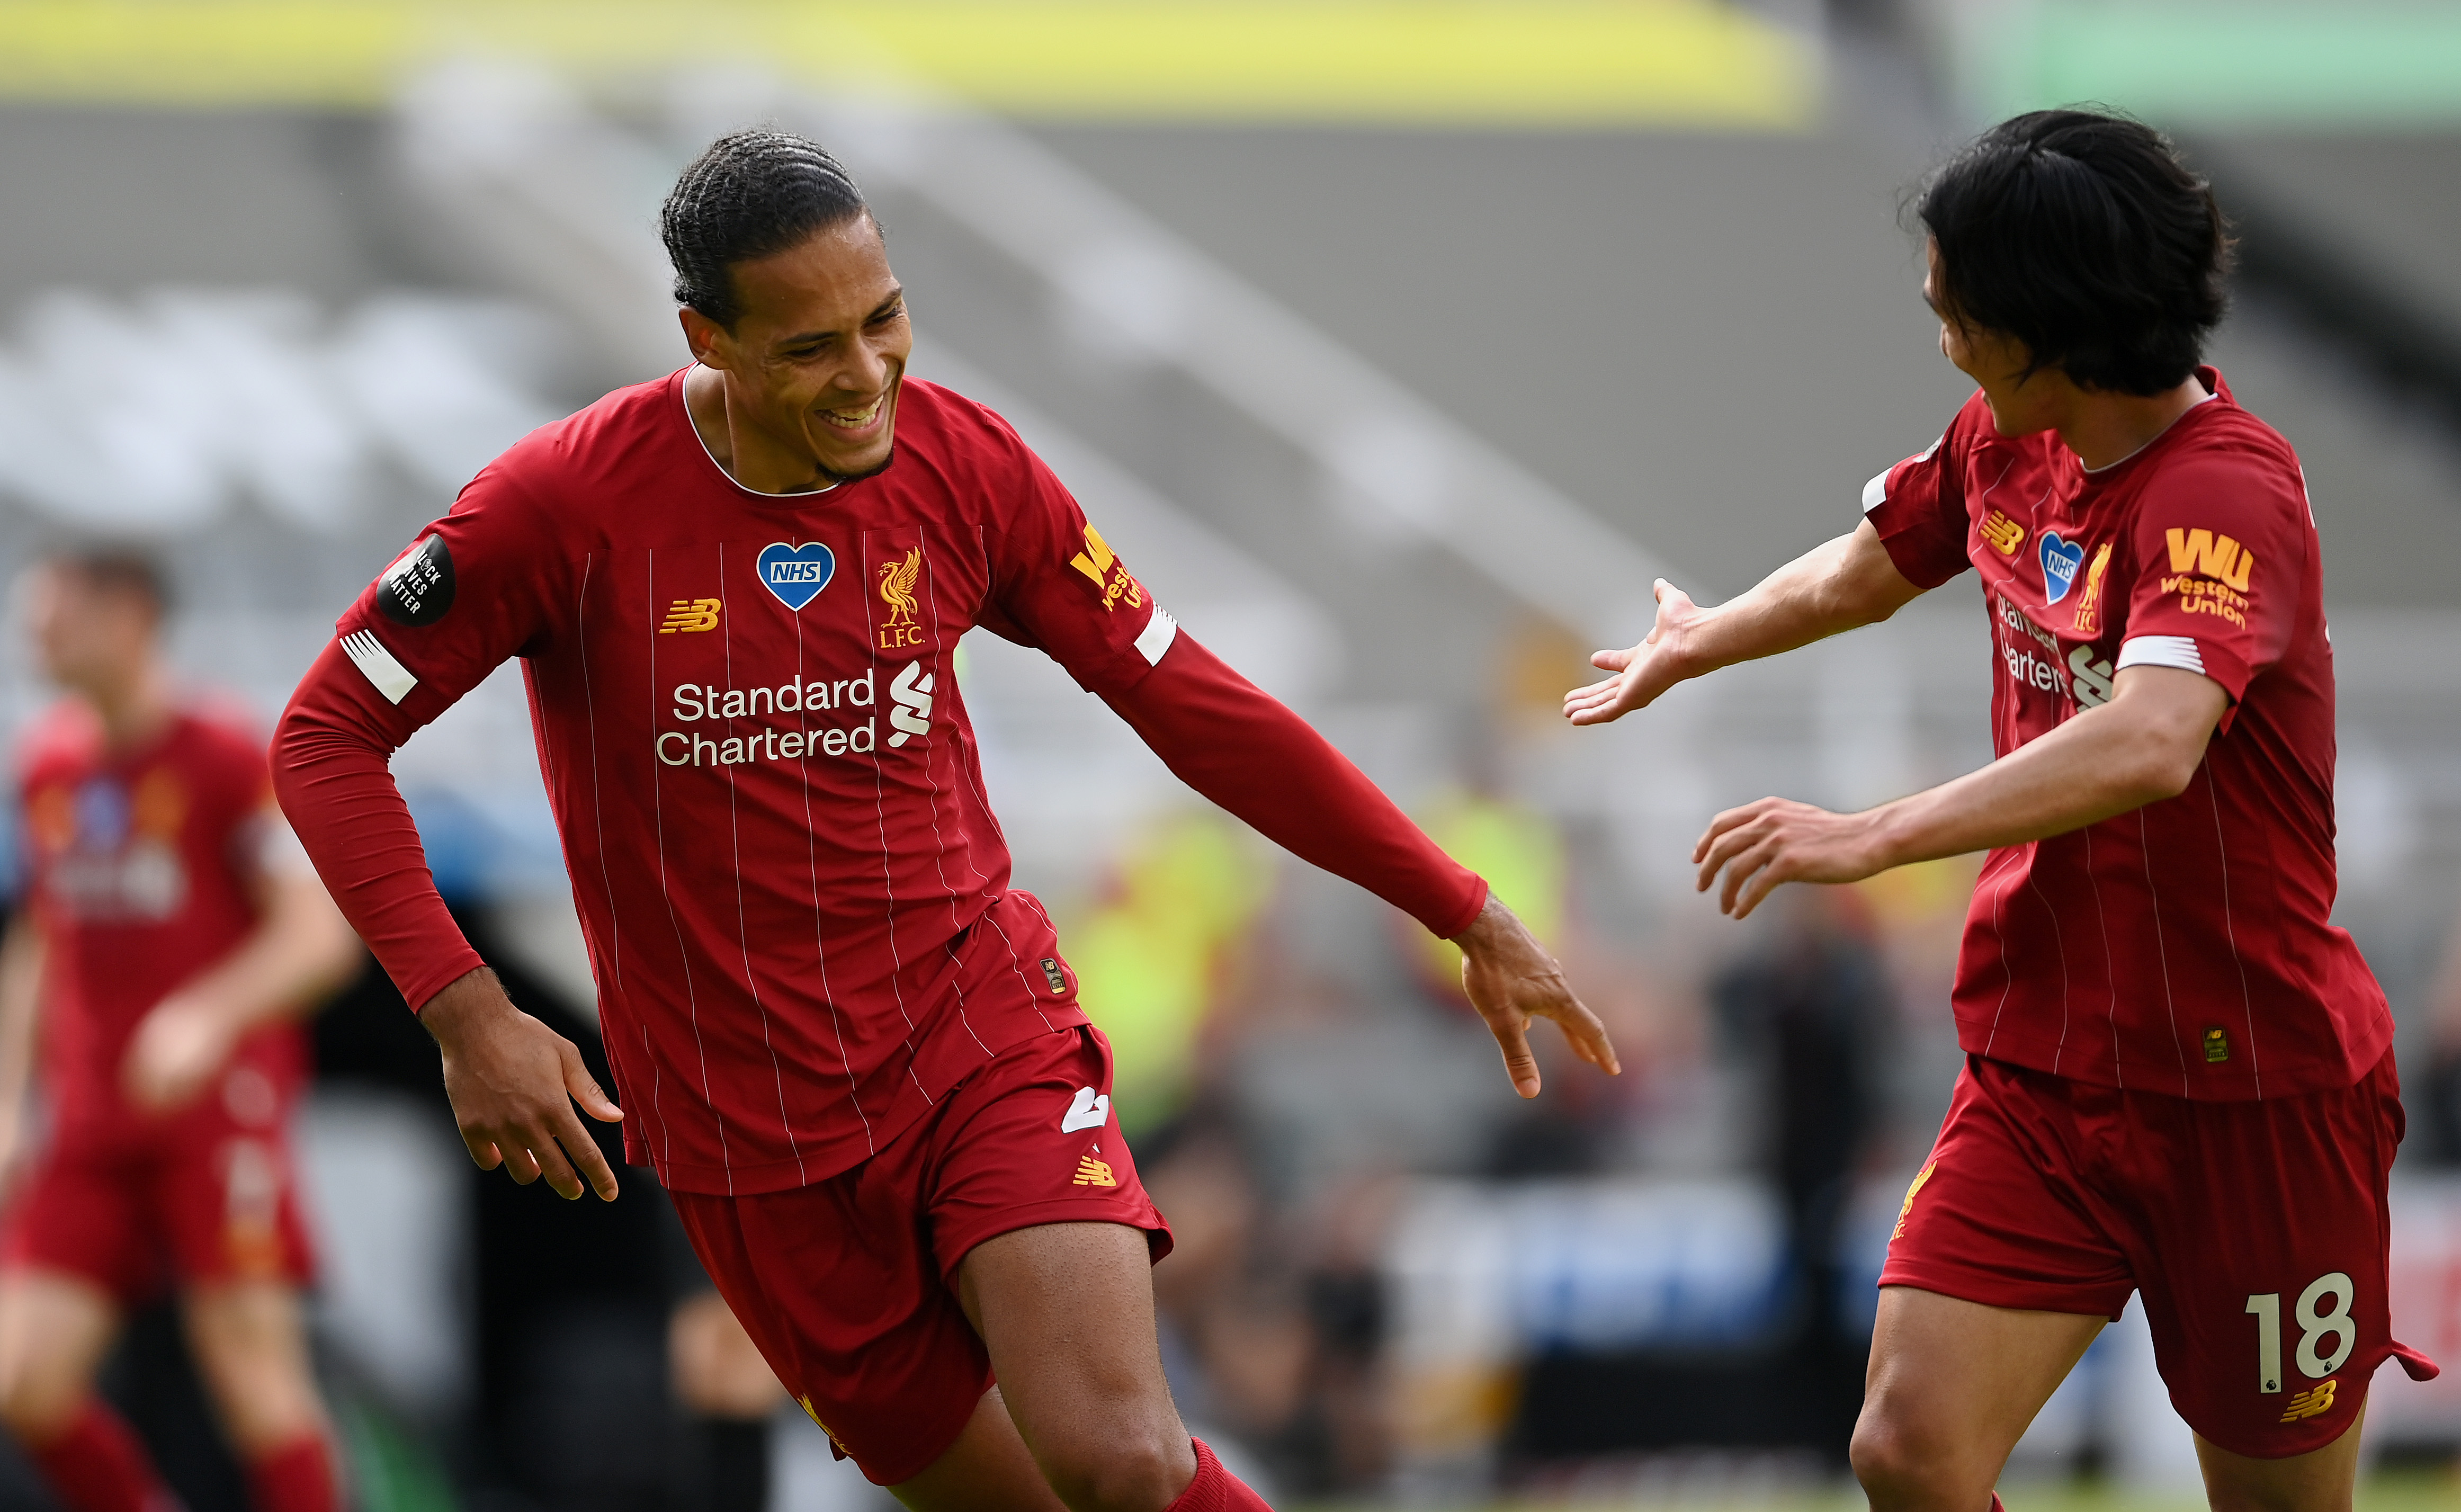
(2201, 551)
(897, 580)
(1097, 562)
(689, 616)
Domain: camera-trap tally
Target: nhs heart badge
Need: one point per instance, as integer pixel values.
(796, 574)
(2061, 560)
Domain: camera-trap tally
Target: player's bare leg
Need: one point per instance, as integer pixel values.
(988, 1467)
(1066, 1311)
(251, 1348)
(251, 1343)
(53, 1331)
(2320, 1481)
(1952, 1387)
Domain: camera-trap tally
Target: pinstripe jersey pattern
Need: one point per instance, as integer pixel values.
(2186, 947)
(796, 898)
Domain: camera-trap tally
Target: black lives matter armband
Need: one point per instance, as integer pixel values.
(418, 590)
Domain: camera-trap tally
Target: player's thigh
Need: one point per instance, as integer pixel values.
(1066, 1313)
(55, 1329)
(1953, 1385)
(250, 1342)
(718, 1371)
(988, 1469)
(2319, 1481)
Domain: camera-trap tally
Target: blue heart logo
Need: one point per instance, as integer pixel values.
(2061, 560)
(796, 574)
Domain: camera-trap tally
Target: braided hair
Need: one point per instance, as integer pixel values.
(750, 194)
(2085, 237)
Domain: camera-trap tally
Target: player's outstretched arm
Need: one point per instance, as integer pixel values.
(300, 951)
(2142, 747)
(1237, 745)
(1839, 585)
(513, 1082)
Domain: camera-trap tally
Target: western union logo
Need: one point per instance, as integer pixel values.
(2212, 556)
(2004, 534)
(2312, 1404)
(1091, 1172)
(689, 616)
(1095, 561)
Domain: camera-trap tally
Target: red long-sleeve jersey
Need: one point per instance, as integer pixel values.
(795, 895)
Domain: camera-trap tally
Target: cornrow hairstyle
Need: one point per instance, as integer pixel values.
(2084, 236)
(750, 194)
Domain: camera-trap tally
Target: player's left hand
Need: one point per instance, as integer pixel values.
(1512, 979)
(1778, 839)
(179, 1045)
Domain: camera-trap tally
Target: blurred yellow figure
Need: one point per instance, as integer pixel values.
(1150, 960)
(1518, 851)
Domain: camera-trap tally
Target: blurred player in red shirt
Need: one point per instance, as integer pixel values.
(2179, 1076)
(851, 1050)
(169, 936)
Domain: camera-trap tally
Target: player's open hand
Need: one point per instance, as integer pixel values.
(1777, 840)
(1512, 979)
(179, 1045)
(513, 1082)
(1643, 672)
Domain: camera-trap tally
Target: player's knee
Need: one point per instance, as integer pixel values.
(1115, 1467)
(1901, 1467)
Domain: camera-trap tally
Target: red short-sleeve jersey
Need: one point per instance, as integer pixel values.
(2185, 948)
(142, 871)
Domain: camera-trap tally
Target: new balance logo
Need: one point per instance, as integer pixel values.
(1089, 1110)
(2004, 534)
(690, 615)
(2312, 1404)
(1091, 1172)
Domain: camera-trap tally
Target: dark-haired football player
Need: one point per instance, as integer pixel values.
(851, 1047)
(2179, 1077)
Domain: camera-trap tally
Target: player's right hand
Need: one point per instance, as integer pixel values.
(1643, 671)
(513, 1082)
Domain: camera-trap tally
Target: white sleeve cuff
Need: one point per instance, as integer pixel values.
(1876, 493)
(2161, 651)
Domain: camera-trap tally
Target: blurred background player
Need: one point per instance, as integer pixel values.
(172, 937)
(2179, 1077)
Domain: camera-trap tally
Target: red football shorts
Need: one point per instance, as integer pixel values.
(201, 1198)
(2257, 1232)
(849, 1285)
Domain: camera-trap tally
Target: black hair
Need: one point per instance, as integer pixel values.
(2082, 235)
(116, 568)
(749, 194)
